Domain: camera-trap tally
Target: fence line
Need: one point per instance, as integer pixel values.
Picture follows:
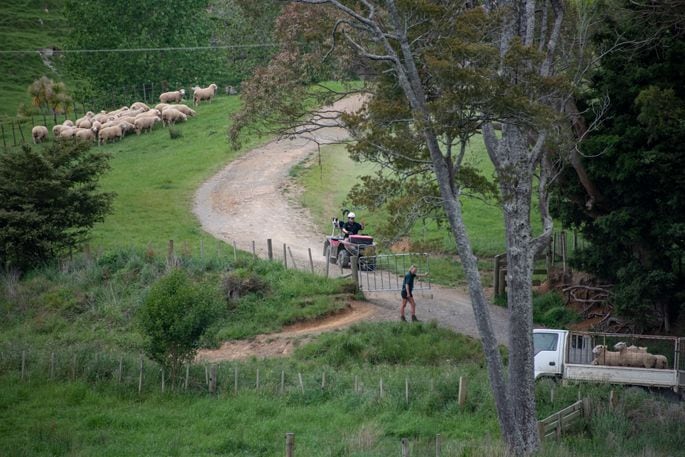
(555, 424)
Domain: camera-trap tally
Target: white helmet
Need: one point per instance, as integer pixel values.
(351, 215)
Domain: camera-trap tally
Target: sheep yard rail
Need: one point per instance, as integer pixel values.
(553, 425)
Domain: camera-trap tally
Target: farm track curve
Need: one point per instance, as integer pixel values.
(250, 200)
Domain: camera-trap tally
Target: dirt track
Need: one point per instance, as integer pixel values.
(247, 201)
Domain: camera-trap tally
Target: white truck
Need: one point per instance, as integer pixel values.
(568, 355)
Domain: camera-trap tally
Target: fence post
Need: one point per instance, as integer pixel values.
(254, 251)
(140, 376)
(541, 431)
(311, 261)
(563, 250)
(496, 274)
(235, 379)
(292, 259)
(163, 380)
(269, 249)
(185, 384)
(299, 376)
(462, 391)
(257, 381)
(212, 379)
(289, 444)
(405, 447)
(23, 364)
(328, 259)
(14, 135)
(52, 365)
(380, 387)
(170, 254)
(285, 256)
(438, 445)
(587, 408)
(355, 271)
(120, 373)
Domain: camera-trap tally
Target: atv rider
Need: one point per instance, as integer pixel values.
(350, 227)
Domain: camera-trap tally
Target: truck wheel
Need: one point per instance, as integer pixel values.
(343, 259)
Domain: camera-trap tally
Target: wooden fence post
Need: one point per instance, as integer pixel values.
(269, 249)
(163, 380)
(311, 261)
(612, 399)
(292, 259)
(380, 388)
(140, 376)
(257, 381)
(354, 263)
(170, 254)
(438, 445)
(235, 380)
(541, 431)
(289, 444)
(254, 250)
(462, 391)
(185, 384)
(235, 251)
(212, 379)
(587, 408)
(120, 373)
(328, 259)
(299, 376)
(52, 365)
(405, 447)
(23, 364)
(285, 256)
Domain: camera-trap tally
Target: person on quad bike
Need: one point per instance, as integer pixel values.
(351, 227)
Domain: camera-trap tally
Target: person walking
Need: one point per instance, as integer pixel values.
(408, 293)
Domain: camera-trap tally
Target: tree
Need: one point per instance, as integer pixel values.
(49, 95)
(49, 200)
(439, 72)
(175, 314)
(634, 158)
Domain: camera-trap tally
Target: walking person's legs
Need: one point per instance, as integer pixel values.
(412, 306)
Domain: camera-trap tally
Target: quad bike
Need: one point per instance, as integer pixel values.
(342, 248)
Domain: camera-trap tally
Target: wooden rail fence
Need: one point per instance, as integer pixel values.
(555, 424)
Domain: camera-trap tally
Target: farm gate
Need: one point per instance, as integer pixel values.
(386, 272)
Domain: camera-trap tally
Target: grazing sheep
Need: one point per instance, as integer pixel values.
(84, 123)
(160, 106)
(604, 357)
(56, 129)
(96, 126)
(184, 109)
(206, 93)
(67, 132)
(171, 115)
(85, 134)
(101, 117)
(152, 113)
(127, 127)
(635, 358)
(109, 133)
(68, 123)
(39, 133)
(175, 96)
(145, 123)
(140, 106)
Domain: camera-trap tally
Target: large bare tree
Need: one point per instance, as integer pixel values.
(446, 70)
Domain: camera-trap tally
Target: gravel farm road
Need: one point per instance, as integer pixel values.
(248, 202)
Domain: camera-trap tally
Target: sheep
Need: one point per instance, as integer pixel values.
(206, 93)
(660, 362)
(152, 113)
(68, 123)
(101, 117)
(183, 108)
(109, 133)
(140, 106)
(39, 133)
(67, 132)
(604, 357)
(160, 106)
(145, 123)
(635, 358)
(56, 129)
(84, 123)
(85, 134)
(96, 126)
(175, 96)
(127, 127)
(171, 115)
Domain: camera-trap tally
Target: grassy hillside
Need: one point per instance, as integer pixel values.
(26, 24)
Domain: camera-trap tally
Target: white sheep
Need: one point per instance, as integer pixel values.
(56, 129)
(206, 93)
(96, 126)
(635, 358)
(84, 123)
(174, 96)
(68, 123)
(109, 133)
(67, 132)
(101, 117)
(160, 106)
(660, 362)
(182, 108)
(152, 113)
(127, 127)
(39, 133)
(145, 123)
(85, 134)
(140, 106)
(171, 115)
(605, 357)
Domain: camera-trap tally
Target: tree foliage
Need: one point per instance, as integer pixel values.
(175, 314)
(636, 230)
(48, 95)
(49, 200)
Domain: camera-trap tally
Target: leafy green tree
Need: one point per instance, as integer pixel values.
(635, 221)
(175, 314)
(49, 200)
(127, 25)
(46, 95)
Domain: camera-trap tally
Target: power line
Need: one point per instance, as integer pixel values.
(190, 48)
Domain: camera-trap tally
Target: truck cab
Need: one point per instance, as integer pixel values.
(549, 346)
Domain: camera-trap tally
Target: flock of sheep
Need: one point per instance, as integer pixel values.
(139, 117)
(628, 356)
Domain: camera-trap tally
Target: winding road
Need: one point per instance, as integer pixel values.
(248, 202)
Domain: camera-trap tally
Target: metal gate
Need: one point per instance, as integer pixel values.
(386, 272)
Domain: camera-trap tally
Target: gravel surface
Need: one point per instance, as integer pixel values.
(247, 202)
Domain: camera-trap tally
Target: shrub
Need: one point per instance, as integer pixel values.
(175, 133)
(174, 316)
(549, 309)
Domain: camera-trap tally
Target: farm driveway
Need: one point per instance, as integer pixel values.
(249, 201)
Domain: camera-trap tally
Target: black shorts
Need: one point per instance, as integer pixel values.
(404, 293)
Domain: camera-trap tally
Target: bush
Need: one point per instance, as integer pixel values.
(175, 315)
(549, 310)
(175, 133)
